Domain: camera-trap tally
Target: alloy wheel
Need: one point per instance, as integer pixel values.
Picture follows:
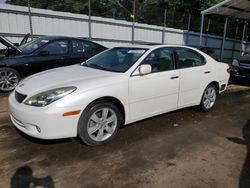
(209, 97)
(102, 124)
(8, 80)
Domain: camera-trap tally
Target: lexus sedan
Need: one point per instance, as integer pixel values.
(41, 54)
(118, 86)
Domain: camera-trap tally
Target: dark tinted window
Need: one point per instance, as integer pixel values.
(160, 60)
(79, 46)
(57, 47)
(188, 58)
(33, 45)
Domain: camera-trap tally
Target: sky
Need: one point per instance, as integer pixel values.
(2, 1)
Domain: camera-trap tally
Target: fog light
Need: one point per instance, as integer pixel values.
(38, 129)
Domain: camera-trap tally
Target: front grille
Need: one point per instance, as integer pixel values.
(20, 97)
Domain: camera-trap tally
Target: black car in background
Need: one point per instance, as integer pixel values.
(41, 54)
(240, 69)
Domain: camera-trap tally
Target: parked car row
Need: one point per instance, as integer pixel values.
(116, 87)
(41, 54)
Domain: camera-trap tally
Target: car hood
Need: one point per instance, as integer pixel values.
(9, 44)
(84, 78)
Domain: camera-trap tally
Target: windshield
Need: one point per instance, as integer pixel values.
(116, 59)
(32, 45)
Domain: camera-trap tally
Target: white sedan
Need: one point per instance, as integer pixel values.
(119, 86)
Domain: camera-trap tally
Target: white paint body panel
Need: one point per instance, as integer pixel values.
(141, 96)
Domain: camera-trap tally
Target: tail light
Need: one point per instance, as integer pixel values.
(229, 70)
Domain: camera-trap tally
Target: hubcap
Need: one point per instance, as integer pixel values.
(209, 98)
(8, 80)
(102, 124)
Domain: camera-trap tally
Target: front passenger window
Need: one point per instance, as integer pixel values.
(59, 47)
(160, 60)
(79, 46)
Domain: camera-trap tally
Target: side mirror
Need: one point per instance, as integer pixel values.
(145, 69)
(43, 53)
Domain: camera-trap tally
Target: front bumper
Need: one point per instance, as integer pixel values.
(240, 73)
(43, 122)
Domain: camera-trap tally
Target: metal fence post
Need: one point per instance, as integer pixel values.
(207, 31)
(243, 38)
(223, 41)
(30, 20)
(133, 24)
(164, 27)
(90, 36)
(188, 28)
(201, 30)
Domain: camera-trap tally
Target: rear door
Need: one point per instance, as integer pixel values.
(195, 75)
(52, 55)
(82, 50)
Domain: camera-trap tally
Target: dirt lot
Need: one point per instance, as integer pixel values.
(185, 148)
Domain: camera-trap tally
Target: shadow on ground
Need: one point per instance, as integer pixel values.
(23, 178)
(245, 172)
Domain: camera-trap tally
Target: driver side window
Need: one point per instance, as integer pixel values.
(59, 47)
(160, 60)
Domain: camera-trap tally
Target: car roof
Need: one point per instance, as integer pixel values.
(156, 46)
(63, 37)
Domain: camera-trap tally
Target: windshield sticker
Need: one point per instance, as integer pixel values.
(136, 51)
(44, 41)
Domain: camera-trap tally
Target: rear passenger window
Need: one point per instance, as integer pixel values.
(188, 58)
(160, 60)
(79, 46)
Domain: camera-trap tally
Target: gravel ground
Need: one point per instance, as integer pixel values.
(185, 148)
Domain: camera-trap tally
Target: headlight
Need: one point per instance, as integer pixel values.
(47, 97)
(235, 63)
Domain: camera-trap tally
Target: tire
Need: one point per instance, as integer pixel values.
(208, 98)
(9, 79)
(99, 123)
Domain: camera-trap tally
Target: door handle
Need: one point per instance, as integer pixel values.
(174, 77)
(207, 72)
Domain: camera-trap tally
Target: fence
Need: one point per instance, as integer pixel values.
(15, 23)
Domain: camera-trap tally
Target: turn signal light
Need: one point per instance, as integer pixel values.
(72, 113)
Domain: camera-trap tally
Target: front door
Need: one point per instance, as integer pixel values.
(53, 55)
(156, 92)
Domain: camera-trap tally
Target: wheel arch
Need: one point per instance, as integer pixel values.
(216, 84)
(115, 101)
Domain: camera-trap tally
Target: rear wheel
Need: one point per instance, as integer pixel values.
(208, 98)
(99, 123)
(9, 79)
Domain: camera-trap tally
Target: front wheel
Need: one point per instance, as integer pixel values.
(99, 123)
(208, 98)
(9, 79)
